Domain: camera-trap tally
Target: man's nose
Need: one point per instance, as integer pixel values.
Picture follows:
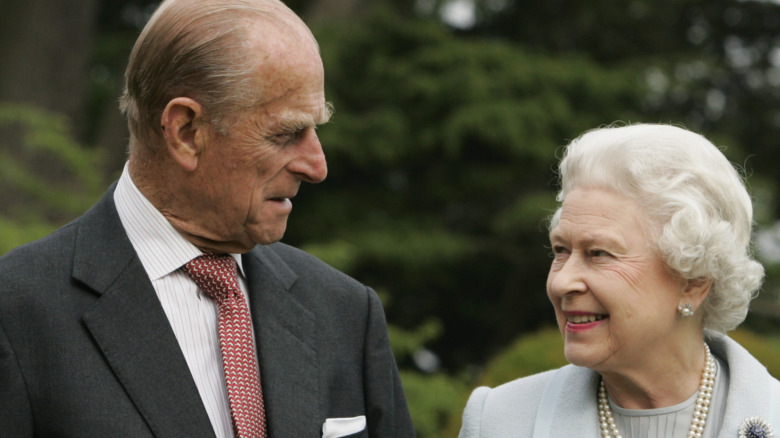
(310, 164)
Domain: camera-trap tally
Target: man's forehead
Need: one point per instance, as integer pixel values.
(277, 34)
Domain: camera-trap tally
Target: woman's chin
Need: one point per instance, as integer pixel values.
(579, 355)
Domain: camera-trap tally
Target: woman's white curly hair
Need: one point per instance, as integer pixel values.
(699, 211)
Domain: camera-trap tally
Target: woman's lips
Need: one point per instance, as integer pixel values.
(580, 322)
(580, 319)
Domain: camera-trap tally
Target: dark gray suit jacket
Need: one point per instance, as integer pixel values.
(87, 351)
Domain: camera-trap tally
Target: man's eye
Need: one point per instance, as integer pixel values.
(282, 139)
(600, 253)
(287, 138)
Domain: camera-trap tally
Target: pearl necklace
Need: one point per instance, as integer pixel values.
(609, 428)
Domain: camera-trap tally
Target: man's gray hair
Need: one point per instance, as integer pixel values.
(196, 49)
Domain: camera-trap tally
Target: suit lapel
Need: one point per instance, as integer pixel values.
(131, 328)
(286, 333)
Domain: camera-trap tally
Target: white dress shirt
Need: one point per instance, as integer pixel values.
(192, 314)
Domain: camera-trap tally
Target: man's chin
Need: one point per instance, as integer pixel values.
(266, 236)
(239, 244)
(232, 247)
(235, 245)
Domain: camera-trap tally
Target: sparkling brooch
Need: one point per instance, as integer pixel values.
(755, 427)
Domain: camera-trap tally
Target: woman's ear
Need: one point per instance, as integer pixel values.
(181, 126)
(696, 292)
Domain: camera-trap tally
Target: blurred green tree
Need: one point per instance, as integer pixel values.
(713, 65)
(46, 177)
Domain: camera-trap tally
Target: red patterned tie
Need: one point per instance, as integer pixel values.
(216, 274)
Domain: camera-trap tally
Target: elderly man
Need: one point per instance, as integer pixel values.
(168, 309)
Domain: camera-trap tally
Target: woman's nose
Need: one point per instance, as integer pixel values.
(568, 278)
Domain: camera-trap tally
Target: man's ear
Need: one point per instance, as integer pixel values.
(183, 131)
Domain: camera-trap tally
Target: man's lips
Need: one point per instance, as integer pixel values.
(281, 202)
(282, 197)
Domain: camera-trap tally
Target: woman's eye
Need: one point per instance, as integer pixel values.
(600, 253)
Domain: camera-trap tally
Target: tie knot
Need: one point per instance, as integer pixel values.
(215, 274)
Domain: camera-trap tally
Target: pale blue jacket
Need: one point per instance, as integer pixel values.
(517, 410)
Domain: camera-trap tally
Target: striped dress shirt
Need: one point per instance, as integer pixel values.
(192, 314)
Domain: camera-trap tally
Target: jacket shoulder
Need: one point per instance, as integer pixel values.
(525, 391)
(42, 258)
(55, 252)
(506, 410)
(306, 266)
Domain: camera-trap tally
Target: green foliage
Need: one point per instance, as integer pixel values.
(402, 244)
(406, 342)
(48, 133)
(432, 399)
(765, 348)
(530, 354)
(46, 177)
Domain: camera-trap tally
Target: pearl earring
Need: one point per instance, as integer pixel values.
(686, 310)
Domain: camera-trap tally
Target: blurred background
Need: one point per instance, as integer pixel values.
(450, 116)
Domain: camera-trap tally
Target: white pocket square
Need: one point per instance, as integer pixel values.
(338, 427)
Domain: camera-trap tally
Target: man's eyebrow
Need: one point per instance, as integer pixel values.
(296, 121)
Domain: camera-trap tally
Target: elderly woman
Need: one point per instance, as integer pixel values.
(651, 266)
